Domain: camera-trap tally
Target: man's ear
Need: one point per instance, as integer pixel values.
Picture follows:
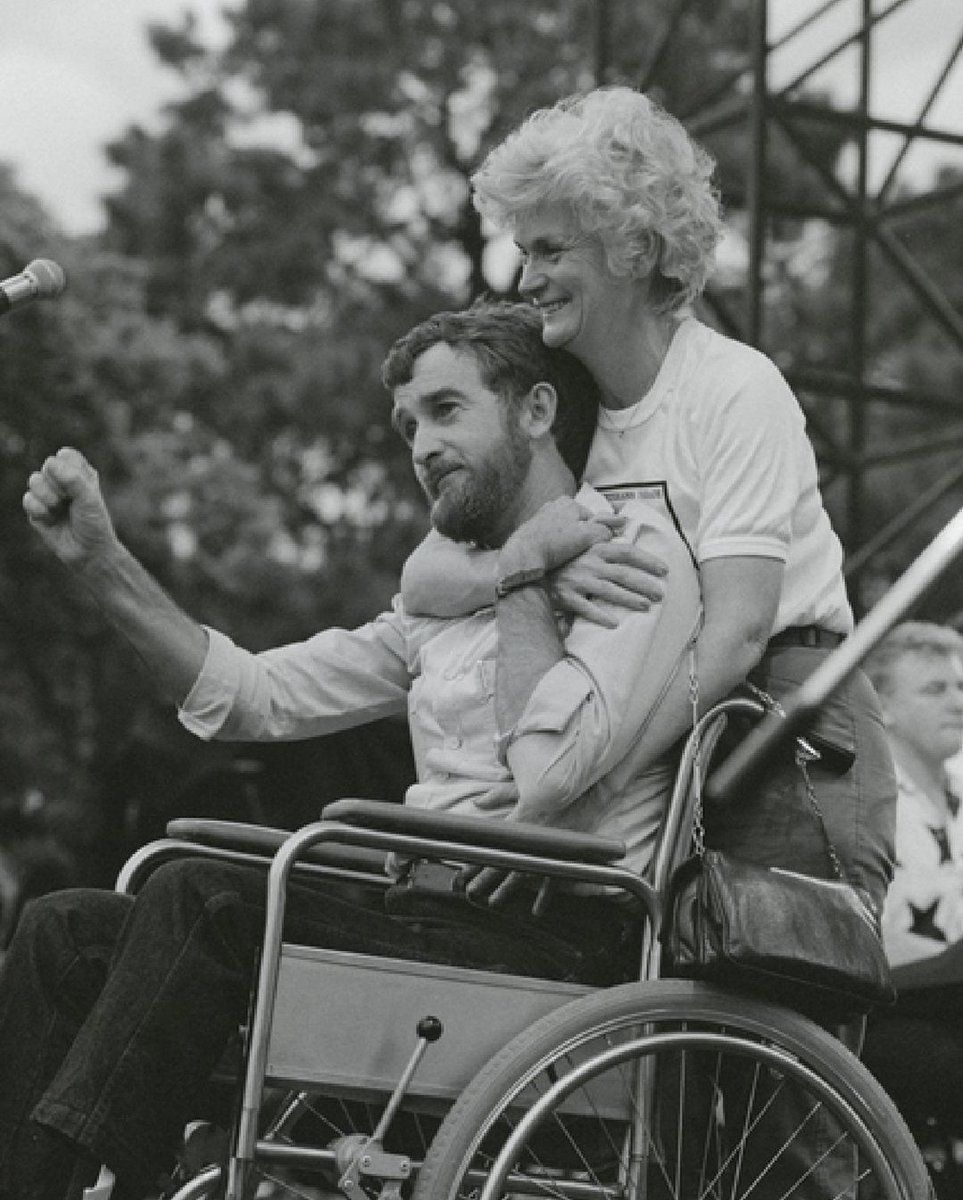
(539, 410)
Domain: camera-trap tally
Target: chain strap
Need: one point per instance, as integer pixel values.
(805, 753)
(698, 828)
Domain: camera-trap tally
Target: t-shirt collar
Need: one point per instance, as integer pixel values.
(620, 419)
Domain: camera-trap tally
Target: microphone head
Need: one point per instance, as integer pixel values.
(49, 278)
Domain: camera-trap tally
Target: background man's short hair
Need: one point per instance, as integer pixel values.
(926, 638)
(506, 341)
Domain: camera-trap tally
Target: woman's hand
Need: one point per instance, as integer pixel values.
(608, 573)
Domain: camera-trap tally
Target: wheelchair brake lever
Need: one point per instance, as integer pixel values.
(366, 1156)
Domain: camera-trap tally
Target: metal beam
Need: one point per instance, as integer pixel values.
(870, 212)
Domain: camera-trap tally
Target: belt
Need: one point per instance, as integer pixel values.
(807, 635)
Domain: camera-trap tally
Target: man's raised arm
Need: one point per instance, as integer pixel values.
(65, 505)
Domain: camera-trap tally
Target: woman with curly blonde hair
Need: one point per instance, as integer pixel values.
(614, 211)
(626, 172)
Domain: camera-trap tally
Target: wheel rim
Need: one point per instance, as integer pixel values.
(737, 1148)
(721, 1168)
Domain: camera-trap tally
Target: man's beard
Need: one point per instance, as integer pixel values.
(472, 506)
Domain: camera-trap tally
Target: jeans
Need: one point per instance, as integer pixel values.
(854, 782)
(115, 1010)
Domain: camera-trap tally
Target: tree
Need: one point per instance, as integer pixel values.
(307, 251)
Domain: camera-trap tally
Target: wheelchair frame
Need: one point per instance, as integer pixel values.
(595, 1031)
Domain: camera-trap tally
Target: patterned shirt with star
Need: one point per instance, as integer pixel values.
(924, 906)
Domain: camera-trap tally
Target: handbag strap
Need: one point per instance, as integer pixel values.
(805, 753)
(698, 827)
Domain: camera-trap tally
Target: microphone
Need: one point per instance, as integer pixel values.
(40, 280)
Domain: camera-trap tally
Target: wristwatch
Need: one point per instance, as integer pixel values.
(518, 579)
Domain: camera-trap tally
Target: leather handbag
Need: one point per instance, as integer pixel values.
(813, 944)
(810, 943)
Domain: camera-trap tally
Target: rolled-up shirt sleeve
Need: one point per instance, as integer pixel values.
(586, 713)
(209, 702)
(334, 680)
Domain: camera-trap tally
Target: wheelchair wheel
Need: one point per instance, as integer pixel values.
(673, 1091)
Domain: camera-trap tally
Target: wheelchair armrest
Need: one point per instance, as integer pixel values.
(265, 841)
(518, 836)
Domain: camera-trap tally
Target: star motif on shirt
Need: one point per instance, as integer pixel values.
(924, 922)
(942, 843)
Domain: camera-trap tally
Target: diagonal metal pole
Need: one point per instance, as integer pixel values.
(773, 731)
(924, 112)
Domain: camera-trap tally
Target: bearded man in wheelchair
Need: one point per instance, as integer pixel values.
(116, 1009)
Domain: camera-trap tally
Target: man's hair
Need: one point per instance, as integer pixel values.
(627, 171)
(505, 340)
(925, 638)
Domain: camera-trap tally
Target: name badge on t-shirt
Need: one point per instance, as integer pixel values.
(618, 494)
(654, 495)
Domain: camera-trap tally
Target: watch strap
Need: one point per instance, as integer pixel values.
(518, 579)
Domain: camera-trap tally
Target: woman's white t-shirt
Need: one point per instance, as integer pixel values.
(720, 440)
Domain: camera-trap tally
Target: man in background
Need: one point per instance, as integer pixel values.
(916, 1048)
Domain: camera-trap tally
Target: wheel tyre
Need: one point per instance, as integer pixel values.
(744, 1029)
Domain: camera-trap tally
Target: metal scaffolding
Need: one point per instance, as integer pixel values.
(845, 407)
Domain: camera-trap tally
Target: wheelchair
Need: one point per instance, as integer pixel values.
(429, 1082)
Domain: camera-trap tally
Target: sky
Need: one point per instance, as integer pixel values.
(75, 73)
